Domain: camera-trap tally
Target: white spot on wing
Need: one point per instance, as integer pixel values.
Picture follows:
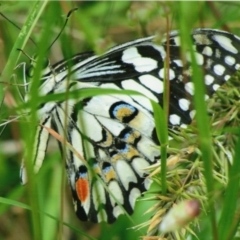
(102, 216)
(209, 63)
(133, 85)
(229, 60)
(109, 85)
(102, 154)
(152, 83)
(116, 192)
(225, 43)
(141, 64)
(219, 69)
(125, 173)
(134, 194)
(226, 78)
(42, 142)
(174, 119)
(130, 54)
(117, 210)
(192, 113)
(207, 51)
(183, 126)
(162, 73)
(184, 104)
(171, 74)
(161, 50)
(178, 62)
(217, 53)
(23, 174)
(198, 57)
(201, 39)
(208, 79)
(86, 204)
(98, 194)
(147, 183)
(139, 164)
(148, 148)
(215, 87)
(206, 97)
(113, 126)
(189, 87)
(177, 41)
(143, 101)
(77, 144)
(93, 133)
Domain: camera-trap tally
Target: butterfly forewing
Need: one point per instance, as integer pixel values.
(115, 133)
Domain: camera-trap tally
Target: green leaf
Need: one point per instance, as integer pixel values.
(230, 219)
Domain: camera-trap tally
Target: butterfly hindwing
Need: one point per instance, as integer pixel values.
(119, 147)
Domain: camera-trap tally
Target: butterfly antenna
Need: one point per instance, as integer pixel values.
(68, 15)
(30, 58)
(15, 25)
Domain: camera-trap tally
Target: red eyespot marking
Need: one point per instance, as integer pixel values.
(82, 189)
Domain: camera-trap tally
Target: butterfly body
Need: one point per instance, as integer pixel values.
(115, 133)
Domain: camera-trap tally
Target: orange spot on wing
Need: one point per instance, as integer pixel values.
(110, 175)
(82, 189)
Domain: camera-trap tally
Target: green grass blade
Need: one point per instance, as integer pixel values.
(226, 222)
(27, 207)
(202, 119)
(34, 14)
(204, 137)
(162, 133)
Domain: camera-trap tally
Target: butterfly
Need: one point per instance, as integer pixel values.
(116, 133)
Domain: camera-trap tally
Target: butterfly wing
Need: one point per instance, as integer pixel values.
(120, 129)
(115, 134)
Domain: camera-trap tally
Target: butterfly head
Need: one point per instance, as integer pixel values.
(44, 64)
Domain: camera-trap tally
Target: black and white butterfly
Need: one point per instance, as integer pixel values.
(115, 133)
